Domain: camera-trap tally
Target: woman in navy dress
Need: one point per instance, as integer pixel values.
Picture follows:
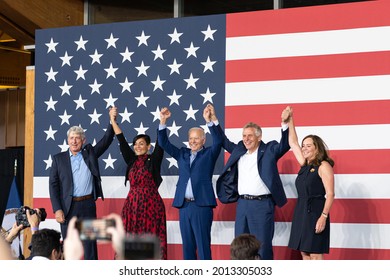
(310, 229)
(143, 211)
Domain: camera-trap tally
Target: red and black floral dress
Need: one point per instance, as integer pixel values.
(143, 211)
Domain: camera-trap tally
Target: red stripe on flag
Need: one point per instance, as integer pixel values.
(311, 114)
(346, 162)
(330, 17)
(359, 211)
(308, 67)
(222, 252)
(284, 253)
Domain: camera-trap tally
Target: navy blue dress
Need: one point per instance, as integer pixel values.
(310, 204)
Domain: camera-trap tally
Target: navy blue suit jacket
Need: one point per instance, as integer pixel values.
(200, 172)
(267, 158)
(61, 179)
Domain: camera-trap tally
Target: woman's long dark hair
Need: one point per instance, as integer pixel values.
(322, 150)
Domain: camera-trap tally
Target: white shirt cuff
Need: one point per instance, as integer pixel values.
(211, 123)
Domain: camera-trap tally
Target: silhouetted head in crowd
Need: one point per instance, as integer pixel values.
(46, 243)
(245, 247)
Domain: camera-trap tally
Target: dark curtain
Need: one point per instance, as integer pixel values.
(7, 161)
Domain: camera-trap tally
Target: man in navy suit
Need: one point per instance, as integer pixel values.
(194, 195)
(251, 178)
(75, 182)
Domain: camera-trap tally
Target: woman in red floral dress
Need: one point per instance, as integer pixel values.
(143, 211)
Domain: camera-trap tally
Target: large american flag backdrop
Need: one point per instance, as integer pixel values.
(330, 63)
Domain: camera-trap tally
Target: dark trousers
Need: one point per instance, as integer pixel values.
(195, 229)
(257, 217)
(83, 209)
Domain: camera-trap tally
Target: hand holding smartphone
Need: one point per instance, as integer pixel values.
(94, 229)
(141, 247)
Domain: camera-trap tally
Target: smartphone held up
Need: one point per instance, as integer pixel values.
(141, 247)
(94, 229)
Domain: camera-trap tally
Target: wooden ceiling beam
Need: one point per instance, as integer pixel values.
(20, 35)
(20, 18)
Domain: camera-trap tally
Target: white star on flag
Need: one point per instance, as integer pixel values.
(109, 162)
(127, 55)
(174, 129)
(158, 83)
(142, 69)
(111, 41)
(141, 100)
(51, 46)
(48, 162)
(191, 50)
(110, 101)
(64, 146)
(172, 162)
(95, 87)
(95, 57)
(174, 67)
(208, 65)
(51, 75)
(65, 118)
(174, 98)
(205, 128)
(208, 34)
(125, 115)
(50, 133)
(126, 85)
(51, 104)
(208, 96)
(175, 36)
(158, 53)
(143, 39)
(81, 43)
(80, 73)
(65, 88)
(94, 117)
(66, 59)
(80, 102)
(141, 129)
(156, 114)
(191, 81)
(110, 71)
(190, 112)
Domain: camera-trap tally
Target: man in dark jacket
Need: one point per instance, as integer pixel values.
(194, 196)
(251, 178)
(75, 182)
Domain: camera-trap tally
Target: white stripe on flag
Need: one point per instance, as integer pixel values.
(308, 90)
(368, 236)
(309, 43)
(352, 186)
(341, 137)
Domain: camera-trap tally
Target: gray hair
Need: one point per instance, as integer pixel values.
(203, 134)
(258, 131)
(77, 130)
